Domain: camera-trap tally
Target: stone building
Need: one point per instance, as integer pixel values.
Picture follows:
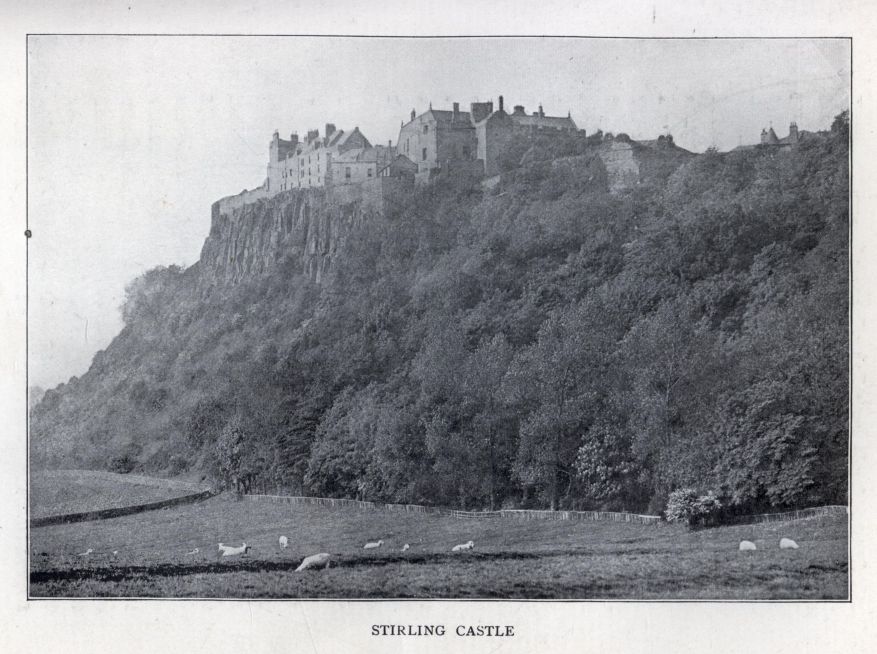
(769, 137)
(440, 140)
(308, 164)
(496, 130)
(358, 165)
(437, 138)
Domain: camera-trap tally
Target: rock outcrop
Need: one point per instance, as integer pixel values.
(251, 239)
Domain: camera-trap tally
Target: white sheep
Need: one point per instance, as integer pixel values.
(194, 551)
(284, 542)
(86, 552)
(406, 547)
(788, 544)
(233, 551)
(371, 546)
(747, 546)
(115, 552)
(463, 546)
(315, 560)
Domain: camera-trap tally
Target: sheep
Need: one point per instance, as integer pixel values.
(323, 558)
(86, 552)
(284, 542)
(233, 551)
(371, 546)
(193, 552)
(747, 546)
(463, 546)
(406, 547)
(115, 552)
(788, 544)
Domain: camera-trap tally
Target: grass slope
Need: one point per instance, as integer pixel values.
(54, 492)
(511, 559)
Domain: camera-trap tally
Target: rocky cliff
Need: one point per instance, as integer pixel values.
(304, 224)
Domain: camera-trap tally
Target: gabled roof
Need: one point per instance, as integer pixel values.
(555, 122)
(357, 155)
(346, 136)
(444, 117)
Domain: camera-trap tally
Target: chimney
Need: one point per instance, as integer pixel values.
(456, 112)
(541, 113)
(413, 114)
(500, 103)
(330, 129)
(793, 132)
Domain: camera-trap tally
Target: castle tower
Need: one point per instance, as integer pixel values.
(793, 132)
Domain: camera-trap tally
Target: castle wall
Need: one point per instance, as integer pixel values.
(494, 134)
(228, 204)
(359, 171)
(456, 144)
(418, 146)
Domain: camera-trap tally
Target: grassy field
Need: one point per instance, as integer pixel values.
(512, 558)
(54, 492)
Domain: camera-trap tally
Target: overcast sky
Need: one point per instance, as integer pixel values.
(132, 138)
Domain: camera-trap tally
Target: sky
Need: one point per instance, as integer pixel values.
(131, 139)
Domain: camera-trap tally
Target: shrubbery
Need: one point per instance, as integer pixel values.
(687, 507)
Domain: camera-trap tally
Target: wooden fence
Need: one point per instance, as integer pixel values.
(520, 514)
(526, 514)
(788, 515)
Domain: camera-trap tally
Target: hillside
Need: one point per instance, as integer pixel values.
(556, 340)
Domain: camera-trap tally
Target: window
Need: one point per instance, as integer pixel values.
(424, 154)
(369, 173)
(465, 151)
(347, 173)
(426, 129)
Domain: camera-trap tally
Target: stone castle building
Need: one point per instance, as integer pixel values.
(339, 157)
(468, 142)
(769, 137)
(471, 140)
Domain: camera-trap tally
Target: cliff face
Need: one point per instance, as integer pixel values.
(250, 240)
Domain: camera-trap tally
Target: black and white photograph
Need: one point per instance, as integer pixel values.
(515, 318)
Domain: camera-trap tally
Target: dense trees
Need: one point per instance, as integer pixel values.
(543, 343)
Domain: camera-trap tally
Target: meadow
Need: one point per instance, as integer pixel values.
(54, 492)
(532, 559)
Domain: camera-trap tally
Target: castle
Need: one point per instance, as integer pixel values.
(434, 141)
(769, 137)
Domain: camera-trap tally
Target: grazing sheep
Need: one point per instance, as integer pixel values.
(747, 546)
(233, 551)
(788, 544)
(462, 547)
(115, 552)
(371, 546)
(315, 560)
(86, 552)
(406, 547)
(284, 542)
(194, 551)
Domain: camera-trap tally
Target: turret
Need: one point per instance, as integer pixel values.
(793, 132)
